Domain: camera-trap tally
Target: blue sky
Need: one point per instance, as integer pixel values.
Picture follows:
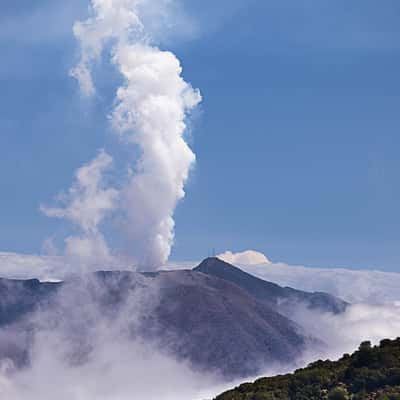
(297, 138)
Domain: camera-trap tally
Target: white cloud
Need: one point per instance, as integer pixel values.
(249, 257)
(344, 332)
(117, 370)
(373, 287)
(24, 266)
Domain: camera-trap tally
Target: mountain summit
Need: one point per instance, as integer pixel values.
(283, 298)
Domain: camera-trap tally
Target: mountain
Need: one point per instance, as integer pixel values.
(277, 297)
(219, 326)
(212, 323)
(21, 297)
(371, 373)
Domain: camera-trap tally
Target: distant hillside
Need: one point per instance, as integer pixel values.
(371, 373)
(281, 298)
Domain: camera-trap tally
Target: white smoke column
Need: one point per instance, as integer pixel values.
(150, 113)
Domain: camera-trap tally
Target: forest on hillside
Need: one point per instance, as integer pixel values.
(370, 373)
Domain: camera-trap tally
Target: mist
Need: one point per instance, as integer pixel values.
(343, 333)
(86, 346)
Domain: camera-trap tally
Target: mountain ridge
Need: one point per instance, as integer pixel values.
(274, 295)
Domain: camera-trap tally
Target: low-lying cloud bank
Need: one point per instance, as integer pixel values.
(136, 367)
(25, 266)
(344, 332)
(374, 287)
(117, 371)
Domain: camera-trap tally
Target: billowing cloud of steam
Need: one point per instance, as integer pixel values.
(159, 98)
(86, 204)
(149, 114)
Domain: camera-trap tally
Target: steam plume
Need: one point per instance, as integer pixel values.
(150, 111)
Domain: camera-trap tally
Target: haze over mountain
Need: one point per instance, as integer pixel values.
(215, 317)
(209, 325)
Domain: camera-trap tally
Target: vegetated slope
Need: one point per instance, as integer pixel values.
(211, 323)
(276, 296)
(371, 373)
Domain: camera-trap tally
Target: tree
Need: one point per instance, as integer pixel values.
(338, 394)
(365, 346)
